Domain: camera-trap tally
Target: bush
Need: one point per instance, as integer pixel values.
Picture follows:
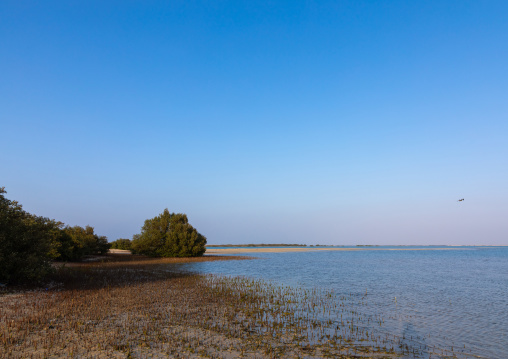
(121, 243)
(77, 242)
(27, 243)
(169, 235)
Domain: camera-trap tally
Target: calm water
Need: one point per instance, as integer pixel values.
(444, 297)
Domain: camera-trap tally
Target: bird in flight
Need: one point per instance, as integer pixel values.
(460, 200)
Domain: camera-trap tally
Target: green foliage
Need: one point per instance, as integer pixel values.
(66, 247)
(27, 243)
(77, 242)
(121, 243)
(169, 235)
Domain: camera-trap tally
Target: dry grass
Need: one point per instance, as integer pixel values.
(131, 306)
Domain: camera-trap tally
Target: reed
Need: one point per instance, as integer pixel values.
(140, 307)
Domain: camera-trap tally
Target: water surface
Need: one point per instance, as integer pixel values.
(453, 298)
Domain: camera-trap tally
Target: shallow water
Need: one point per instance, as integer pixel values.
(454, 299)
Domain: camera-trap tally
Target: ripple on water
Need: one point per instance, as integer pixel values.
(449, 298)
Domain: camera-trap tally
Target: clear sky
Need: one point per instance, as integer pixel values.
(331, 122)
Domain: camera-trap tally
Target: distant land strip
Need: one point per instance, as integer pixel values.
(255, 245)
(311, 249)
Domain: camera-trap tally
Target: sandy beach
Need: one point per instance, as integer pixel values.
(240, 250)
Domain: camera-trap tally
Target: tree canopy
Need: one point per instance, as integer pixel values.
(27, 243)
(121, 243)
(76, 242)
(169, 235)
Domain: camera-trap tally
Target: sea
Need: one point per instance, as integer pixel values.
(455, 298)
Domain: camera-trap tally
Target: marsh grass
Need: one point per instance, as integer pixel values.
(128, 306)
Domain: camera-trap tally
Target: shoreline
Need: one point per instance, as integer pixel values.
(217, 251)
(135, 307)
(213, 251)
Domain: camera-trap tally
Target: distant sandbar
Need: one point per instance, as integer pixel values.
(311, 249)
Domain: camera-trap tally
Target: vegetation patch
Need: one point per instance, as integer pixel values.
(169, 235)
(133, 306)
(30, 244)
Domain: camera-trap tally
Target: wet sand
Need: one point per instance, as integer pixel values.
(130, 306)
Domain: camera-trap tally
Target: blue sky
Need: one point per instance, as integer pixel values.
(331, 122)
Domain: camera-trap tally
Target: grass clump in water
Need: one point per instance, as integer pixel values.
(143, 307)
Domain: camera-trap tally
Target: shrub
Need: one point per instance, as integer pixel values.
(27, 243)
(121, 243)
(169, 235)
(77, 242)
